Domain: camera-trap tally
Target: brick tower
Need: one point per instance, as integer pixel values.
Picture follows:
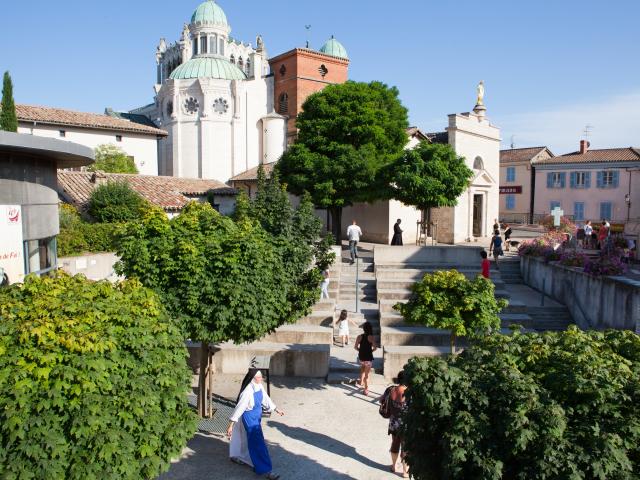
(300, 72)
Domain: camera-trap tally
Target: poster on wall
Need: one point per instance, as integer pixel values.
(11, 249)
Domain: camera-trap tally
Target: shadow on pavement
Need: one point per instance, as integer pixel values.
(326, 443)
(207, 458)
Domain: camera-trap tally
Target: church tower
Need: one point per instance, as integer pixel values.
(302, 71)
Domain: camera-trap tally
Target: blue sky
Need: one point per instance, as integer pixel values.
(550, 66)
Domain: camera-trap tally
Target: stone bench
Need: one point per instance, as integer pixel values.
(424, 336)
(286, 360)
(396, 357)
(395, 284)
(300, 334)
(395, 319)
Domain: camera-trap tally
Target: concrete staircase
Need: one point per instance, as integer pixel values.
(510, 270)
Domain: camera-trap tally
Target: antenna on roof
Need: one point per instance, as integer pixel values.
(588, 129)
(513, 142)
(308, 28)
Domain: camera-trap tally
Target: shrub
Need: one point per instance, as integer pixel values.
(77, 236)
(606, 264)
(573, 258)
(554, 406)
(93, 381)
(446, 299)
(115, 201)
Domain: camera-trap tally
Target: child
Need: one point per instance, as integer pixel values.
(343, 327)
(324, 286)
(485, 264)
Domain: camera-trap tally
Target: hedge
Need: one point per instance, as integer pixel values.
(93, 381)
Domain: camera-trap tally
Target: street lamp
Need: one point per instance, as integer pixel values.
(627, 200)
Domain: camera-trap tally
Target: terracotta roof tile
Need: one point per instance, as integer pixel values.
(604, 155)
(57, 116)
(252, 173)
(170, 193)
(515, 155)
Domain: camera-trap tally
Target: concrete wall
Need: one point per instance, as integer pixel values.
(435, 255)
(594, 302)
(39, 207)
(143, 148)
(95, 266)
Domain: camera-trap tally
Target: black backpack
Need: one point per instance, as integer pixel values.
(385, 403)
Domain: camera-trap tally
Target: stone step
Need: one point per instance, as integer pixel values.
(386, 304)
(390, 319)
(423, 336)
(286, 360)
(418, 274)
(346, 360)
(396, 356)
(383, 284)
(300, 334)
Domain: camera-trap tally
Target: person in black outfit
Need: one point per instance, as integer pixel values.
(397, 234)
(365, 345)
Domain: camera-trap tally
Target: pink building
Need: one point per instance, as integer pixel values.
(590, 184)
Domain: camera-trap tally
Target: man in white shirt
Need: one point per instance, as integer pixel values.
(353, 234)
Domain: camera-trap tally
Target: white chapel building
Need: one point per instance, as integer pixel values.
(215, 100)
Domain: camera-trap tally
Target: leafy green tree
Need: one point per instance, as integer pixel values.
(347, 133)
(112, 159)
(556, 406)
(428, 176)
(78, 236)
(224, 281)
(92, 381)
(116, 201)
(448, 300)
(8, 117)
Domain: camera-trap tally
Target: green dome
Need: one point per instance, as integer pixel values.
(209, 12)
(208, 67)
(334, 48)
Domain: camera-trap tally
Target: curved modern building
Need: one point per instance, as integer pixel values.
(29, 201)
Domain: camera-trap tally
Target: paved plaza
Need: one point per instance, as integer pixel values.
(328, 432)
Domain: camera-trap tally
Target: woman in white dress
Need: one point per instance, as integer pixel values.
(343, 327)
(247, 444)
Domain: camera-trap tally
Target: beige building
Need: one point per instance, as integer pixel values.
(516, 182)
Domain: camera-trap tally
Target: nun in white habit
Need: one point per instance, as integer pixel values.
(247, 444)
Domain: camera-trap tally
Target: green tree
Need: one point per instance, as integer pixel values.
(8, 117)
(561, 405)
(112, 159)
(115, 201)
(224, 281)
(92, 381)
(448, 300)
(347, 133)
(428, 176)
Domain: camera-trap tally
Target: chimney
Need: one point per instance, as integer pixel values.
(584, 146)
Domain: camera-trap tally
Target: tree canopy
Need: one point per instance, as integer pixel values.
(8, 117)
(555, 406)
(347, 133)
(448, 300)
(112, 159)
(428, 176)
(115, 201)
(92, 381)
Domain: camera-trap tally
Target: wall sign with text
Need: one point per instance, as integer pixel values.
(510, 190)
(11, 248)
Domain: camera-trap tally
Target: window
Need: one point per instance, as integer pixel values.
(511, 174)
(283, 70)
(220, 105)
(556, 179)
(213, 44)
(203, 44)
(248, 67)
(283, 103)
(195, 47)
(40, 255)
(221, 47)
(510, 202)
(191, 105)
(62, 133)
(578, 211)
(580, 179)
(118, 138)
(240, 63)
(323, 70)
(553, 205)
(478, 164)
(605, 210)
(232, 59)
(608, 179)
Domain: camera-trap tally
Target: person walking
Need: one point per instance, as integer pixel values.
(603, 233)
(507, 236)
(247, 445)
(496, 246)
(485, 264)
(343, 327)
(496, 225)
(324, 285)
(365, 345)
(588, 232)
(353, 234)
(397, 407)
(397, 234)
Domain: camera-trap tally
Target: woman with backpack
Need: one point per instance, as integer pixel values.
(392, 406)
(496, 246)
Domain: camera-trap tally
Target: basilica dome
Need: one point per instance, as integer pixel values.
(208, 12)
(334, 48)
(208, 67)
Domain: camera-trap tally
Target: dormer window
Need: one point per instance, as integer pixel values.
(240, 63)
(232, 59)
(195, 47)
(203, 45)
(213, 44)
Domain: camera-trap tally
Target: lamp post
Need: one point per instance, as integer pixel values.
(627, 200)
